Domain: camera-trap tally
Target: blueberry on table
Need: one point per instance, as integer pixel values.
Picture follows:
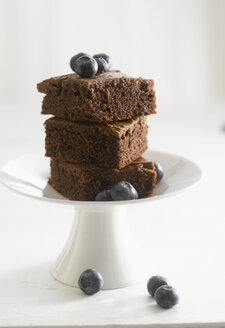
(103, 66)
(155, 282)
(166, 296)
(159, 171)
(106, 57)
(86, 66)
(90, 281)
(73, 60)
(123, 191)
(104, 196)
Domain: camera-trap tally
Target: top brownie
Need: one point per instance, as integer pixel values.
(111, 96)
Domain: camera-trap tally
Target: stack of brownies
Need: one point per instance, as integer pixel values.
(98, 133)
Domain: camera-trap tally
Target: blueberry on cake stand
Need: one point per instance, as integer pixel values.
(100, 237)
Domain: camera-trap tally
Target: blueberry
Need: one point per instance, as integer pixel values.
(104, 196)
(103, 66)
(159, 171)
(166, 296)
(106, 57)
(86, 66)
(74, 59)
(154, 283)
(90, 281)
(123, 191)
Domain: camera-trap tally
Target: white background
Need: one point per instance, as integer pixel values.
(181, 45)
(178, 43)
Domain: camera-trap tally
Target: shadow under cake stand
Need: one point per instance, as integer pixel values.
(100, 237)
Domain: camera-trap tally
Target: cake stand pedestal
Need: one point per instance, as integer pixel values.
(100, 237)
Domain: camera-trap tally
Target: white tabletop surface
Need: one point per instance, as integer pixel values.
(183, 237)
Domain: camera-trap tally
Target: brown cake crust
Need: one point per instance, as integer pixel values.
(77, 182)
(110, 145)
(111, 96)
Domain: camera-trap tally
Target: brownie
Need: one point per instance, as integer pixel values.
(111, 145)
(111, 96)
(79, 182)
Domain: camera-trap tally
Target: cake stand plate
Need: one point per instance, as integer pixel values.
(100, 237)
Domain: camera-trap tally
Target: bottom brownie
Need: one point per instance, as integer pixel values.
(78, 182)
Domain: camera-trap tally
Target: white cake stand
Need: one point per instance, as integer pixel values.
(100, 237)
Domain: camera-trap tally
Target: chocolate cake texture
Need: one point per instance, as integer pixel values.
(109, 145)
(108, 97)
(84, 182)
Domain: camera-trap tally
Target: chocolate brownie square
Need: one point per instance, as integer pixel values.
(111, 96)
(111, 145)
(79, 182)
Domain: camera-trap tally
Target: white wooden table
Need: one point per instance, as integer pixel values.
(183, 237)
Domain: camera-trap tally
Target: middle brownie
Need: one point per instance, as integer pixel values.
(110, 145)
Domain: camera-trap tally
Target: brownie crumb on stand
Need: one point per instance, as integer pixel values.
(110, 145)
(111, 96)
(79, 182)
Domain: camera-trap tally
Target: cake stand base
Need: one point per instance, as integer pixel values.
(101, 239)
